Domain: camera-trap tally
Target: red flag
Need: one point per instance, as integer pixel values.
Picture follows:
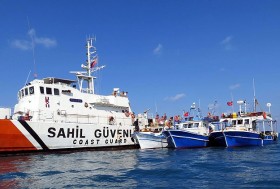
(186, 114)
(229, 103)
(93, 63)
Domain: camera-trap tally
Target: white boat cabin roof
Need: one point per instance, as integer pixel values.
(52, 80)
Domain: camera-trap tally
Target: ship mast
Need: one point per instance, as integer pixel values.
(89, 67)
(90, 60)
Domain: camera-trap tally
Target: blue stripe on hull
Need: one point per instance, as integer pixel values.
(183, 139)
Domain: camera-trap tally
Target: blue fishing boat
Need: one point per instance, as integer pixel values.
(245, 129)
(192, 133)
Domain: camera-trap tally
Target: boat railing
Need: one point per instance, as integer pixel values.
(64, 117)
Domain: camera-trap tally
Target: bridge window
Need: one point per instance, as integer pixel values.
(240, 121)
(246, 121)
(31, 90)
(26, 91)
(56, 91)
(233, 122)
(49, 90)
(42, 91)
(22, 93)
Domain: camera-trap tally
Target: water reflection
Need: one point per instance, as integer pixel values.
(205, 167)
(81, 169)
(11, 172)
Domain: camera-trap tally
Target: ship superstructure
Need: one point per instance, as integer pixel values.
(54, 113)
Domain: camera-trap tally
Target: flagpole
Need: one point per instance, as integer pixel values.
(254, 95)
(156, 106)
(232, 107)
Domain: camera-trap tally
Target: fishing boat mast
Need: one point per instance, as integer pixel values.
(255, 100)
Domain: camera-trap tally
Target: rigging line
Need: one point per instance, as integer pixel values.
(27, 77)
(232, 107)
(33, 48)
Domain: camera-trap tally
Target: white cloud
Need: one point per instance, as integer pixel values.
(21, 44)
(158, 49)
(176, 97)
(31, 32)
(47, 42)
(235, 86)
(27, 44)
(227, 43)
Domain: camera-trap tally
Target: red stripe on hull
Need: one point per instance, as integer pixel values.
(11, 139)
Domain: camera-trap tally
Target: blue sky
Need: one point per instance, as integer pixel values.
(166, 54)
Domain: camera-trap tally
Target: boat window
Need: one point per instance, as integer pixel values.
(31, 90)
(233, 122)
(42, 90)
(22, 93)
(240, 121)
(254, 125)
(26, 91)
(185, 125)
(56, 91)
(190, 125)
(48, 90)
(19, 94)
(196, 124)
(246, 121)
(76, 100)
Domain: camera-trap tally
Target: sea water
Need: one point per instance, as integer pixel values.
(246, 167)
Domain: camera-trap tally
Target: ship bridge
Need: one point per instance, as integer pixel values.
(53, 80)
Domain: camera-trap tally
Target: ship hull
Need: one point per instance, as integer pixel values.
(150, 140)
(240, 138)
(185, 139)
(27, 136)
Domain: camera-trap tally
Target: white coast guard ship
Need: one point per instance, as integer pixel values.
(56, 114)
